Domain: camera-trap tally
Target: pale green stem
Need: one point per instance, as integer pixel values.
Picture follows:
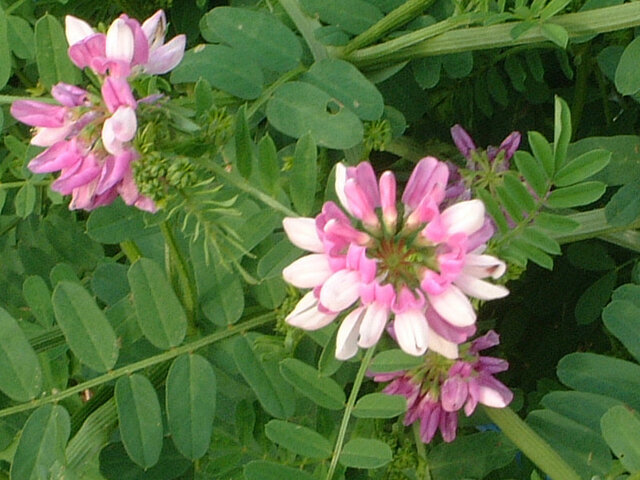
(131, 250)
(22, 183)
(347, 412)
(14, 6)
(494, 36)
(6, 99)
(268, 92)
(142, 364)
(401, 15)
(187, 290)
(306, 26)
(241, 184)
(592, 224)
(531, 444)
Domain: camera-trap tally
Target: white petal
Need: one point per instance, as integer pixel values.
(346, 346)
(303, 234)
(308, 271)
(474, 287)
(120, 42)
(490, 397)
(340, 290)
(442, 346)
(482, 266)
(307, 316)
(341, 179)
(119, 128)
(154, 28)
(372, 326)
(454, 307)
(412, 332)
(76, 30)
(466, 217)
(47, 136)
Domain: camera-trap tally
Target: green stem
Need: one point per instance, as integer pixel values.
(532, 445)
(306, 26)
(592, 224)
(401, 15)
(140, 365)
(494, 36)
(347, 412)
(131, 250)
(387, 52)
(6, 99)
(186, 283)
(583, 71)
(14, 6)
(241, 184)
(268, 92)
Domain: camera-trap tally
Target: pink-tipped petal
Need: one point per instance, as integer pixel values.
(464, 217)
(39, 114)
(306, 315)
(474, 287)
(372, 325)
(165, 58)
(120, 41)
(118, 129)
(454, 306)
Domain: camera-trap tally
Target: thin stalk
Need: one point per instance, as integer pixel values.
(6, 99)
(494, 36)
(131, 250)
(14, 6)
(592, 224)
(306, 26)
(347, 412)
(186, 282)
(140, 365)
(241, 184)
(401, 15)
(268, 92)
(531, 444)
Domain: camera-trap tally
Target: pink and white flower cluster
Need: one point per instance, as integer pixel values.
(412, 262)
(89, 137)
(436, 393)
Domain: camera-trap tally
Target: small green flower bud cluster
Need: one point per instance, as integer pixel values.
(156, 175)
(377, 135)
(219, 127)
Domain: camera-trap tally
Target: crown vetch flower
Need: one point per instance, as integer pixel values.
(126, 48)
(439, 388)
(414, 262)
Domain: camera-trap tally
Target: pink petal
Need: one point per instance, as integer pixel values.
(117, 93)
(114, 170)
(45, 136)
(84, 53)
(165, 58)
(482, 266)
(60, 155)
(39, 114)
(118, 129)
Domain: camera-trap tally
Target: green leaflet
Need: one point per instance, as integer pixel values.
(365, 453)
(52, 59)
(21, 377)
(42, 443)
(85, 326)
(190, 401)
(140, 419)
(160, 314)
(298, 439)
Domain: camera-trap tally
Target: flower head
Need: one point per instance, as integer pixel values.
(439, 388)
(413, 262)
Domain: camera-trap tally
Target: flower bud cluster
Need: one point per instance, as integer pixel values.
(438, 389)
(89, 138)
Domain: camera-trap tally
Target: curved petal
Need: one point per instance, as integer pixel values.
(442, 346)
(412, 332)
(76, 30)
(454, 307)
(346, 346)
(166, 57)
(308, 272)
(306, 315)
(477, 288)
(482, 266)
(120, 41)
(303, 234)
(372, 326)
(464, 217)
(340, 290)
